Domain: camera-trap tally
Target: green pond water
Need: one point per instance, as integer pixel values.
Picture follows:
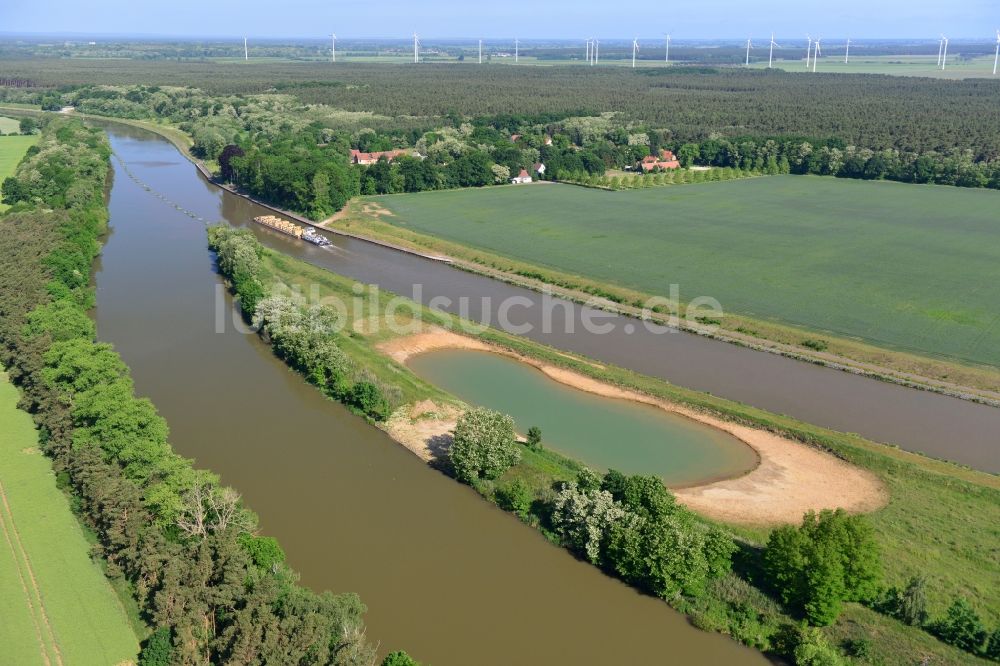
(601, 432)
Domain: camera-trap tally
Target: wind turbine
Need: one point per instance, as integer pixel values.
(246, 51)
(517, 48)
(940, 48)
(480, 52)
(748, 53)
(944, 55)
(666, 57)
(333, 47)
(416, 48)
(809, 50)
(770, 57)
(816, 55)
(597, 51)
(996, 57)
(847, 50)
(588, 50)
(635, 48)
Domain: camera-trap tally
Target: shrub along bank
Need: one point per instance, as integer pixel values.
(657, 549)
(182, 544)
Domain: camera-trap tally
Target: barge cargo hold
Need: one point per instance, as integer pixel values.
(278, 224)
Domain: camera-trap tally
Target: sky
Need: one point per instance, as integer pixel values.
(570, 19)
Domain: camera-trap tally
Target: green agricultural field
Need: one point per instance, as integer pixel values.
(57, 606)
(9, 125)
(905, 267)
(958, 67)
(12, 149)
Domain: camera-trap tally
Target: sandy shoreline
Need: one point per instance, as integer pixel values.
(790, 479)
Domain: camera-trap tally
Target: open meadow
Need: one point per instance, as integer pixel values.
(9, 125)
(958, 67)
(905, 267)
(12, 149)
(56, 604)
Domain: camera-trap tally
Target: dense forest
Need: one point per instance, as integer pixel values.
(293, 153)
(871, 111)
(211, 588)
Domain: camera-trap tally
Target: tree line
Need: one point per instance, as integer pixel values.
(305, 338)
(879, 112)
(832, 157)
(209, 585)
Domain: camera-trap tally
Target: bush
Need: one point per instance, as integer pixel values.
(816, 345)
(484, 445)
(814, 650)
(860, 648)
(264, 551)
(961, 627)
(399, 658)
(830, 559)
(535, 437)
(584, 518)
(993, 646)
(516, 497)
(369, 399)
(909, 605)
(157, 650)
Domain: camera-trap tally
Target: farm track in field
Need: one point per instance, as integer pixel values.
(32, 594)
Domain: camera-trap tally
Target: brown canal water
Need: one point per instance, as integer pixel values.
(915, 420)
(444, 574)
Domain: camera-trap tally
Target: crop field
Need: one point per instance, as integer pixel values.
(56, 604)
(905, 267)
(12, 149)
(9, 125)
(958, 67)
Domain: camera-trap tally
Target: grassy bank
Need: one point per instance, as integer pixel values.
(55, 601)
(952, 510)
(736, 242)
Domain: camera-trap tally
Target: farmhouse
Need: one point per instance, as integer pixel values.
(522, 177)
(665, 160)
(358, 157)
(538, 168)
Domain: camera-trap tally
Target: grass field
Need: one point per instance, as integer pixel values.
(57, 606)
(897, 65)
(9, 125)
(899, 266)
(12, 149)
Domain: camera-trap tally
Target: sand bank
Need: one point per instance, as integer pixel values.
(790, 479)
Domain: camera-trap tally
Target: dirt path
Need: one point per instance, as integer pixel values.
(790, 479)
(32, 594)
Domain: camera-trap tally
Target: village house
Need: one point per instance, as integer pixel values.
(538, 169)
(665, 160)
(522, 177)
(358, 157)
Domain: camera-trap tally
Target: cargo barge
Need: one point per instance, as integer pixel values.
(292, 229)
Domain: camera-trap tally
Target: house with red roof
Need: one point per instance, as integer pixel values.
(523, 177)
(358, 157)
(665, 160)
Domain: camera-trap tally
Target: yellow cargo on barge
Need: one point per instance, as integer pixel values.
(278, 224)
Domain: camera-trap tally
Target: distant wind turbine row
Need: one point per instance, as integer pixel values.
(592, 51)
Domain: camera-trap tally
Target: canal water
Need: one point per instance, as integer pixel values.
(915, 420)
(445, 575)
(600, 432)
